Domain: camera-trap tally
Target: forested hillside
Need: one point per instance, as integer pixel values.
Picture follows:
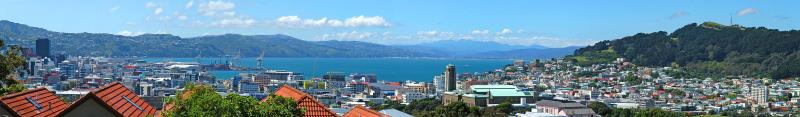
(707, 49)
(166, 45)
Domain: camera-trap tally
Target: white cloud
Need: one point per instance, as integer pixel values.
(353, 35)
(165, 18)
(189, 4)
(229, 13)
(365, 21)
(158, 11)
(129, 33)
(678, 15)
(747, 11)
(212, 8)
(150, 5)
(480, 32)
(434, 34)
(428, 33)
(182, 17)
(113, 9)
(505, 31)
(234, 22)
(356, 21)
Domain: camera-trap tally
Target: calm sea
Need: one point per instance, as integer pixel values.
(389, 69)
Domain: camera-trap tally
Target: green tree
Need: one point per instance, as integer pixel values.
(388, 104)
(505, 107)
(456, 109)
(423, 106)
(10, 60)
(600, 108)
(203, 101)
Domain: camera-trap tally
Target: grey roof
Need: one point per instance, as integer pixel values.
(384, 87)
(570, 108)
(395, 113)
(579, 111)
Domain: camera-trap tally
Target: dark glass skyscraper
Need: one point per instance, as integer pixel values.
(43, 47)
(450, 78)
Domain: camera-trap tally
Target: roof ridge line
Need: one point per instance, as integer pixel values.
(23, 92)
(103, 88)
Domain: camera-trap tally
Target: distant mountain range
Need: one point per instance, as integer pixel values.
(488, 49)
(166, 45)
(540, 53)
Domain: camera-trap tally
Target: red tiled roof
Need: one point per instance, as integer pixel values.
(313, 107)
(119, 100)
(20, 103)
(360, 111)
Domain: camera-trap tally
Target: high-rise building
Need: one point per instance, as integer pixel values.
(438, 83)
(450, 78)
(43, 47)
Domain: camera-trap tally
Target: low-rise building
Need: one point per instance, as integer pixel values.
(569, 109)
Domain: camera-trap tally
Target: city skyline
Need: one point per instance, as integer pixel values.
(552, 24)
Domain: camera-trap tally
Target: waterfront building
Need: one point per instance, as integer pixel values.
(334, 76)
(438, 84)
(281, 75)
(370, 78)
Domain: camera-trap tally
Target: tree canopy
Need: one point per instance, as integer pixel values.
(707, 49)
(203, 101)
(10, 60)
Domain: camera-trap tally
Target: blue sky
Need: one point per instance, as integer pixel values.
(549, 23)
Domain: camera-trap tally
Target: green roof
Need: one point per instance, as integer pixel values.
(509, 93)
(475, 95)
(475, 87)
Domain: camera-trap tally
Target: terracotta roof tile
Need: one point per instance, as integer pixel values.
(118, 99)
(313, 107)
(24, 103)
(360, 111)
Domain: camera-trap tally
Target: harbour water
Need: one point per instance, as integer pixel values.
(389, 69)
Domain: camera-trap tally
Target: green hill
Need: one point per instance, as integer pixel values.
(706, 50)
(165, 45)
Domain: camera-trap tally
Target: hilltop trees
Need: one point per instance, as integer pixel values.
(10, 60)
(202, 101)
(706, 50)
